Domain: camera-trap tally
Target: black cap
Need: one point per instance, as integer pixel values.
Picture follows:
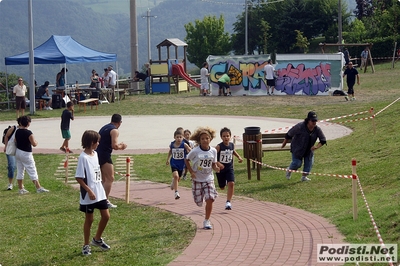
(312, 116)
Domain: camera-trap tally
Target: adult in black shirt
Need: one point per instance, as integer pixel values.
(140, 76)
(351, 74)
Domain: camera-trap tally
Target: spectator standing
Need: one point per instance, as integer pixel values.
(23, 155)
(112, 81)
(351, 74)
(226, 176)
(60, 79)
(364, 57)
(11, 166)
(109, 142)
(19, 93)
(92, 194)
(43, 93)
(106, 78)
(205, 87)
(346, 56)
(66, 116)
(147, 80)
(200, 162)
(303, 136)
(269, 74)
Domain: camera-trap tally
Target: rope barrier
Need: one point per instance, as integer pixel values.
(387, 106)
(373, 222)
(301, 172)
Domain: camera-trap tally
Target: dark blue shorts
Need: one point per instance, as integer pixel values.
(177, 170)
(104, 158)
(224, 177)
(101, 205)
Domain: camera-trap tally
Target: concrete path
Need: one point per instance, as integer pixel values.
(253, 233)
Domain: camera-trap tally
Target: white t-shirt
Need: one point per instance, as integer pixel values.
(88, 169)
(269, 71)
(113, 77)
(19, 90)
(201, 162)
(204, 75)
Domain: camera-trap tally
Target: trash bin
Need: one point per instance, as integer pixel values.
(252, 148)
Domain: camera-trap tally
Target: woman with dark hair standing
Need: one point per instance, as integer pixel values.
(23, 155)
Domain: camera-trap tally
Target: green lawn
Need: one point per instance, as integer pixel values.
(46, 229)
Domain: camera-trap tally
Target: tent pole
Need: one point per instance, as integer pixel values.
(32, 104)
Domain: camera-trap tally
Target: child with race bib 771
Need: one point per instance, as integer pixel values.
(176, 158)
(225, 153)
(200, 162)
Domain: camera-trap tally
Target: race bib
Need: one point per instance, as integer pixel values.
(225, 156)
(178, 154)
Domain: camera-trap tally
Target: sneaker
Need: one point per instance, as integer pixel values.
(304, 179)
(177, 196)
(353, 99)
(288, 174)
(70, 151)
(62, 149)
(207, 224)
(110, 205)
(10, 187)
(268, 93)
(184, 177)
(100, 243)
(272, 93)
(41, 190)
(172, 184)
(49, 108)
(228, 206)
(23, 191)
(86, 250)
(204, 94)
(346, 97)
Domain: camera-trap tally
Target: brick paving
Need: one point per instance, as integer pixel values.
(252, 233)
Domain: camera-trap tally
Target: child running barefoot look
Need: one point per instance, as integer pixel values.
(203, 159)
(176, 158)
(92, 194)
(225, 152)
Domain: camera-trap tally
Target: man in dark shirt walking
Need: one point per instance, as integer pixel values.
(351, 74)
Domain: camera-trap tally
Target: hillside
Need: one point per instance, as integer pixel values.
(101, 25)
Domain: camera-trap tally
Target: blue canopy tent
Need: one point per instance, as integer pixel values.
(61, 50)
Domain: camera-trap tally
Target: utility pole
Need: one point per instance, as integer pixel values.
(148, 32)
(340, 24)
(134, 43)
(32, 104)
(246, 26)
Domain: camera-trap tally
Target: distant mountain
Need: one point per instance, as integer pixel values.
(102, 25)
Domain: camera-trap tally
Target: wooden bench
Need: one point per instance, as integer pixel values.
(274, 138)
(90, 100)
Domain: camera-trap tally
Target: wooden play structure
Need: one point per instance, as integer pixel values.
(367, 45)
(171, 72)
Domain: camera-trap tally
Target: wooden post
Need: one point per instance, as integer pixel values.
(354, 188)
(127, 179)
(371, 111)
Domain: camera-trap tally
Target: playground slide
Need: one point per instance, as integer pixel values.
(178, 70)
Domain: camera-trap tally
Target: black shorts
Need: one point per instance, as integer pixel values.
(177, 170)
(271, 82)
(104, 158)
(224, 177)
(20, 102)
(101, 205)
(223, 85)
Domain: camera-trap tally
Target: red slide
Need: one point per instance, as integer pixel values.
(178, 70)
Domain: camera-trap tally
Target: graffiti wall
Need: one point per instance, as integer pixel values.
(295, 74)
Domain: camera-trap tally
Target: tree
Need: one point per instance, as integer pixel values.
(301, 41)
(206, 37)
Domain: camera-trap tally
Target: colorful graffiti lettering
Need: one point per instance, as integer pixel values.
(309, 81)
(249, 76)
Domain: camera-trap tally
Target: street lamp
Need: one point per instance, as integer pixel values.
(148, 31)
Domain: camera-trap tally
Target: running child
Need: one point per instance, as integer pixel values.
(92, 193)
(176, 158)
(225, 152)
(200, 162)
(186, 135)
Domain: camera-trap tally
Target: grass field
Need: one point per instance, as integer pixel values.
(46, 229)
